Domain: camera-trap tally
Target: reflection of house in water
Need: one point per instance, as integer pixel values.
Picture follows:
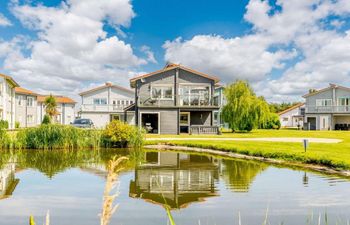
(239, 174)
(174, 179)
(8, 182)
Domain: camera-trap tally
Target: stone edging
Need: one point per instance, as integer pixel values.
(319, 168)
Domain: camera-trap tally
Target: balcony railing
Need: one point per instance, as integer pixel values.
(102, 108)
(182, 101)
(327, 109)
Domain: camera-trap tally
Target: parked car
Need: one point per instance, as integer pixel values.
(83, 123)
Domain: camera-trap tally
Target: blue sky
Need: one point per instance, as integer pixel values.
(282, 47)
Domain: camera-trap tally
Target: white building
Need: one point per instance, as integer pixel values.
(293, 117)
(65, 108)
(7, 99)
(106, 103)
(26, 107)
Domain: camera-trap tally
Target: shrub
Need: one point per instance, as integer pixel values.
(273, 122)
(120, 134)
(5, 140)
(46, 119)
(4, 124)
(17, 124)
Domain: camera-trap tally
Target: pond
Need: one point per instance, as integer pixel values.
(198, 189)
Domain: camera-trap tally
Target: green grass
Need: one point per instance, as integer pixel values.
(332, 155)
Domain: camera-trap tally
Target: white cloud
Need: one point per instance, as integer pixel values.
(300, 31)
(4, 22)
(72, 48)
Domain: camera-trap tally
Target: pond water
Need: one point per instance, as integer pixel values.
(198, 189)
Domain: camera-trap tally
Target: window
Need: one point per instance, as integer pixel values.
(118, 102)
(323, 102)
(100, 101)
(162, 92)
(114, 102)
(344, 101)
(30, 119)
(285, 118)
(131, 102)
(192, 95)
(30, 101)
(20, 100)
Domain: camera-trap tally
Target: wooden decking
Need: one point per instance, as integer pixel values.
(198, 129)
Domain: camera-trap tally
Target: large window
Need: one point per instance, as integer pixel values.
(194, 95)
(323, 102)
(30, 101)
(162, 92)
(100, 101)
(20, 100)
(344, 101)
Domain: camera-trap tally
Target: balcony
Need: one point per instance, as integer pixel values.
(102, 108)
(185, 101)
(328, 109)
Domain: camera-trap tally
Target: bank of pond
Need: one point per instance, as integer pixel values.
(55, 136)
(192, 188)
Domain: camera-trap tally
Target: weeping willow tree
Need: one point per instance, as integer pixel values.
(244, 110)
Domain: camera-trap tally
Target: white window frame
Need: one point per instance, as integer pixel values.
(32, 101)
(323, 102)
(162, 95)
(100, 101)
(181, 85)
(341, 98)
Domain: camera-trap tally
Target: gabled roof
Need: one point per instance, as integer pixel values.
(10, 79)
(171, 66)
(331, 86)
(21, 90)
(59, 99)
(107, 84)
(291, 108)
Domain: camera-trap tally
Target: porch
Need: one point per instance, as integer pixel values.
(197, 122)
(341, 122)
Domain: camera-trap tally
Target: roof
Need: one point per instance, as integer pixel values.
(171, 66)
(10, 79)
(59, 99)
(331, 86)
(21, 90)
(291, 108)
(107, 84)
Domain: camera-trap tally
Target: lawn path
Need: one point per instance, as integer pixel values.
(267, 139)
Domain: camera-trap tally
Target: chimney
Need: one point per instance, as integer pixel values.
(109, 83)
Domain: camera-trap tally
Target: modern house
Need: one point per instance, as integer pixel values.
(106, 103)
(26, 107)
(328, 108)
(65, 108)
(7, 99)
(220, 100)
(175, 100)
(293, 117)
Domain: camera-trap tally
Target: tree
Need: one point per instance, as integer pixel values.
(46, 119)
(51, 106)
(244, 110)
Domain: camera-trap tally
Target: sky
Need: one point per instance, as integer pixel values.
(282, 47)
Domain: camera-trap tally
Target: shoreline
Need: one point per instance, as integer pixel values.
(315, 167)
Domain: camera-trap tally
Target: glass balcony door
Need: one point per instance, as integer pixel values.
(194, 95)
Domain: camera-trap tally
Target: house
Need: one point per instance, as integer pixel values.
(26, 107)
(7, 99)
(106, 103)
(175, 100)
(328, 108)
(8, 182)
(293, 117)
(65, 108)
(220, 100)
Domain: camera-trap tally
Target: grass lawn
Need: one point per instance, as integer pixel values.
(333, 155)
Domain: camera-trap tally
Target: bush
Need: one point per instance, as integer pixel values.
(46, 119)
(17, 124)
(120, 134)
(4, 124)
(5, 140)
(273, 122)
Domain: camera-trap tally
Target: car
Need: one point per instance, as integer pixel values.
(83, 123)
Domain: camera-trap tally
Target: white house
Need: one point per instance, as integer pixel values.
(26, 107)
(65, 108)
(293, 116)
(7, 99)
(106, 103)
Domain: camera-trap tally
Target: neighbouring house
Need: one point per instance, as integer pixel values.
(65, 108)
(328, 108)
(220, 100)
(7, 99)
(175, 100)
(293, 117)
(106, 103)
(26, 107)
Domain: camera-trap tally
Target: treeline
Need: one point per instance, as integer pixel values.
(280, 107)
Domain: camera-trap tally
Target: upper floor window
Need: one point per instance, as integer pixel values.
(343, 101)
(30, 101)
(100, 101)
(191, 95)
(20, 100)
(323, 102)
(162, 92)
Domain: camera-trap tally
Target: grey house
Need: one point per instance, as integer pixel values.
(175, 100)
(328, 108)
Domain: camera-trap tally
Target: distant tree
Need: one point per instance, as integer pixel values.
(51, 106)
(244, 110)
(279, 107)
(46, 119)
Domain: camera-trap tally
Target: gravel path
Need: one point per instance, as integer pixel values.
(280, 139)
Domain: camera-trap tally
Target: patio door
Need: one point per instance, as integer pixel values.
(185, 121)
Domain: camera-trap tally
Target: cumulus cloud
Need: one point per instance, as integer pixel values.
(301, 39)
(4, 22)
(72, 48)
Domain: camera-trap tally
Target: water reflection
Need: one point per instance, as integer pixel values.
(175, 180)
(8, 182)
